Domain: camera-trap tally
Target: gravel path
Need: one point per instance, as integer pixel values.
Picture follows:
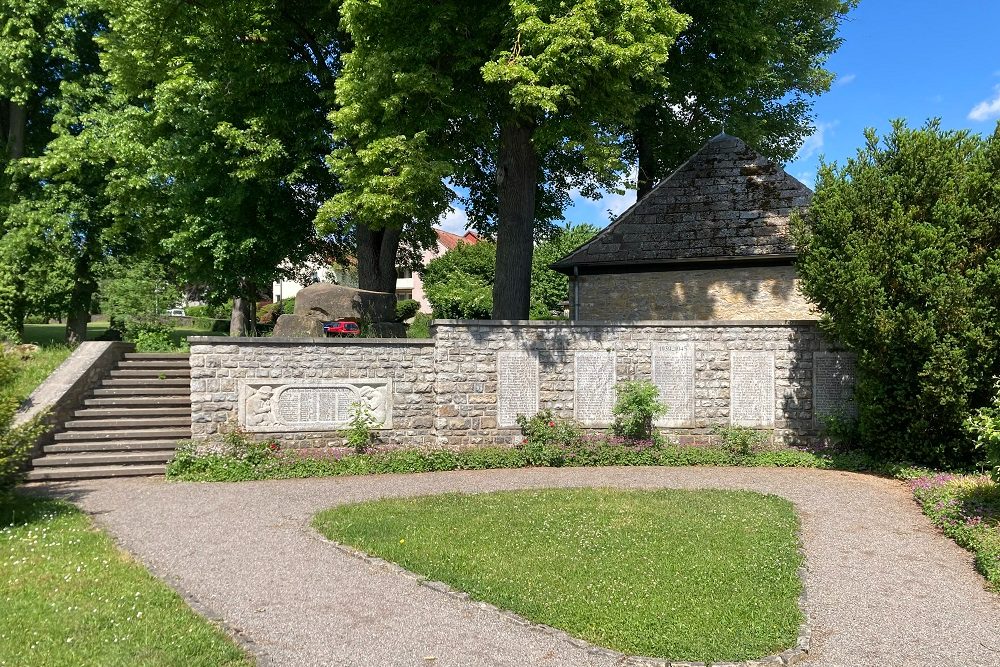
(885, 588)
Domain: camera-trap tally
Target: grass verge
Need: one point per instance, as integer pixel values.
(70, 597)
(681, 575)
(967, 509)
(31, 372)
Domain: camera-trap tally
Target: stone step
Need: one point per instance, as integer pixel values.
(154, 363)
(123, 445)
(150, 382)
(130, 392)
(129, 434)
(133, 411)
(94, 472)
(103, 458)
(125, 400)
(156, 356)
(122, 424)
(161, 373)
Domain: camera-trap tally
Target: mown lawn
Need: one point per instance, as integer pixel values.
(674, 574)
(70, 597)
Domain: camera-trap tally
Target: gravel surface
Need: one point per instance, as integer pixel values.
(885, 587)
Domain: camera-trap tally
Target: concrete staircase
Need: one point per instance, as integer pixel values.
(128, 426)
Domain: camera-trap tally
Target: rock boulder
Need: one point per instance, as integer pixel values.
(297, 326)
(327, 302)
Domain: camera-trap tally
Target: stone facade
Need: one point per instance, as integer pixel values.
(749, 293)
(464, 387)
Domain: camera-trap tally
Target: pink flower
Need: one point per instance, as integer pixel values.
(552, 423)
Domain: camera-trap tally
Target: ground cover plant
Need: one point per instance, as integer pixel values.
(70, 597)
(967, 509)
(677, 574)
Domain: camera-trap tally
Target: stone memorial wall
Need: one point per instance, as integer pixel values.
(467, 385)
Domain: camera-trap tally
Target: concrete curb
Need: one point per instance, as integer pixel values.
(791, 656)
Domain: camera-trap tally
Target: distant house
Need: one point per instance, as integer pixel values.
(709, 242)
(408, 283)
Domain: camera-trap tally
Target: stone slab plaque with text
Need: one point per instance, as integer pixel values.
(673, 375)
(594, 387)
(517, 386)
(833, 385)
(751, 389)
(284, 406)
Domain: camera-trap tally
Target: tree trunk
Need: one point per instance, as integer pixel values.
(243, 321)
(80, 299)
(377, 251)
(18, 121)
(517, 181)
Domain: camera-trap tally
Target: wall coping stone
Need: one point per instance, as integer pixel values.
(625, 325)
(281, 340)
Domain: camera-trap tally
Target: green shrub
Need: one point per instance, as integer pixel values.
(739, 440)
(420, 327)
(900, 249)
(359, 433)
(10, 366)
(406, 309)
(984, 426)
(637, 406)
(546, 437)
(16, 445)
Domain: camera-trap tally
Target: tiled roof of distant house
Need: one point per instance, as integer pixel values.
(449, 240)
(726, 203)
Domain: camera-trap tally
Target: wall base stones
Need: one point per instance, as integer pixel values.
(465, 386)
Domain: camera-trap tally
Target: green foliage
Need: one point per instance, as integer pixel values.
(135, 292)
(636, 407)
(16, 445)
(406, 309)
(984, 426)
(459, 283)
(421, 326)
(359, 433)
(967, 509)
(901, 249)
(579, 559)
(546, 437)
(549, 288)
(152, 337)
(739, 440)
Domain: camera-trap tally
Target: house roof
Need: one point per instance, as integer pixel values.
(449, 240)
(727, 203)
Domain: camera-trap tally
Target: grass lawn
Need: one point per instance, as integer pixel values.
(70, 597)
(30, 373)
(681, 575)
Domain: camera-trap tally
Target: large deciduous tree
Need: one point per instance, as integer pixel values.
(901, 249)
(521, 102)
(221, 120)
(749, 66)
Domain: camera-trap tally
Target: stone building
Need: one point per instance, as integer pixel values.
(709, 242)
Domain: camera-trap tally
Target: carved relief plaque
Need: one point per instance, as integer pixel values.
(751, 389)
(833, 385)
(517, 386)
(594, 386)
(673, 375)
(281, 406)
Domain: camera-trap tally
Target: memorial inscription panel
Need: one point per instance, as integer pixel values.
(673, 375)
(278, 406)
(833, 385)
(517, 386)
(594, 386)
(751, 389)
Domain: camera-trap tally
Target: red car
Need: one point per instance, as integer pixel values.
(341, 328)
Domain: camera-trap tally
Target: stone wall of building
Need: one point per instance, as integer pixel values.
(466, 385)
(230, 376)
(751, 293)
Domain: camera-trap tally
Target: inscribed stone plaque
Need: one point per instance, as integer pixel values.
(833, 385)
(283, 406)
(517, 386)
(673, 375)
(594, 386)
(751, 389)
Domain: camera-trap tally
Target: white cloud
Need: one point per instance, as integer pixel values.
(987, 109)
(454, 221)
(845, 79)
(815, 141)
(807, 178)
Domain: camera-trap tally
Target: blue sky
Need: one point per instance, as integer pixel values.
(914, 59)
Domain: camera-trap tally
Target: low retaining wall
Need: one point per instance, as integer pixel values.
(63, 392)
(466, 384)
